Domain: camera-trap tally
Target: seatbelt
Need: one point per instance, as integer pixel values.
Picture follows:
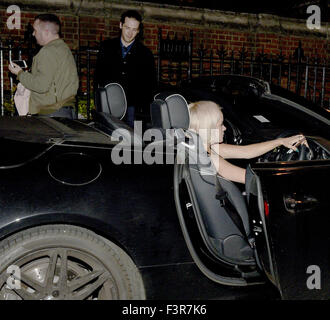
(231, 211)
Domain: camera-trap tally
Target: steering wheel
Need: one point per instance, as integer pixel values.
(304, 153)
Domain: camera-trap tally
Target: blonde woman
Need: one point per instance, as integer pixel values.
(206, 119)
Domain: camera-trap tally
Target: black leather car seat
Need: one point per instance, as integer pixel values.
(111, 106)
(111, 100)
(222, 235)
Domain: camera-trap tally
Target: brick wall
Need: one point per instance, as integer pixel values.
(89, 29)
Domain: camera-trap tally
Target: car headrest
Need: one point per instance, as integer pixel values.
(111, 100)
(170, 111)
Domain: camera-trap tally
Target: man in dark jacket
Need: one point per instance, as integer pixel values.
(128, 62)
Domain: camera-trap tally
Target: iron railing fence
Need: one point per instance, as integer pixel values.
(177, 60)
(307, 76)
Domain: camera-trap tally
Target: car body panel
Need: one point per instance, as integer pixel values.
(144, 188)
(297, 225)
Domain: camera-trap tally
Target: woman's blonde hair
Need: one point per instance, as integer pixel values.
(204, 116)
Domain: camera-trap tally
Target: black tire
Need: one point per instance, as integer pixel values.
(65, 262)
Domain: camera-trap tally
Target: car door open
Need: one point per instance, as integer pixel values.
(289, 207)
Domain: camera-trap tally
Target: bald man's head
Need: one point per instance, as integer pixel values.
(49, 19)
(46, 28)
(49, 26)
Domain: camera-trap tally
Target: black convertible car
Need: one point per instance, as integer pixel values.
(96, 210)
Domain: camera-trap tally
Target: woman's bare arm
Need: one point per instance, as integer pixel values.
(228, 170)
(229, 151)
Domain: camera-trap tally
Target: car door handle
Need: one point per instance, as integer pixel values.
(299, 202)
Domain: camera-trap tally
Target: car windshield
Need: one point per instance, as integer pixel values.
(300, 100)
(252, 106)
(268, 112)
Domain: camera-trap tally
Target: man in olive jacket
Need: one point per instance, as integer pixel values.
(53, 80)
(127, 61)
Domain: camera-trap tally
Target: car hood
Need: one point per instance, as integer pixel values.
(46, 129)
(27, 129)
(23, 139)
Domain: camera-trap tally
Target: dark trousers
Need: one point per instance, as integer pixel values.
(64, 112)
(129, 117)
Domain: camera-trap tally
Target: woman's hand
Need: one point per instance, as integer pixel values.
(294, 141)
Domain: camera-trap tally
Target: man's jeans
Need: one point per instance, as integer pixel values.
(64, 112)
(129, 117)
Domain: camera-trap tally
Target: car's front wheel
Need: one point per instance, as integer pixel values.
(66, 262)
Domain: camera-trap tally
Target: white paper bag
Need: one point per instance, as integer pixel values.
(21, 98)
